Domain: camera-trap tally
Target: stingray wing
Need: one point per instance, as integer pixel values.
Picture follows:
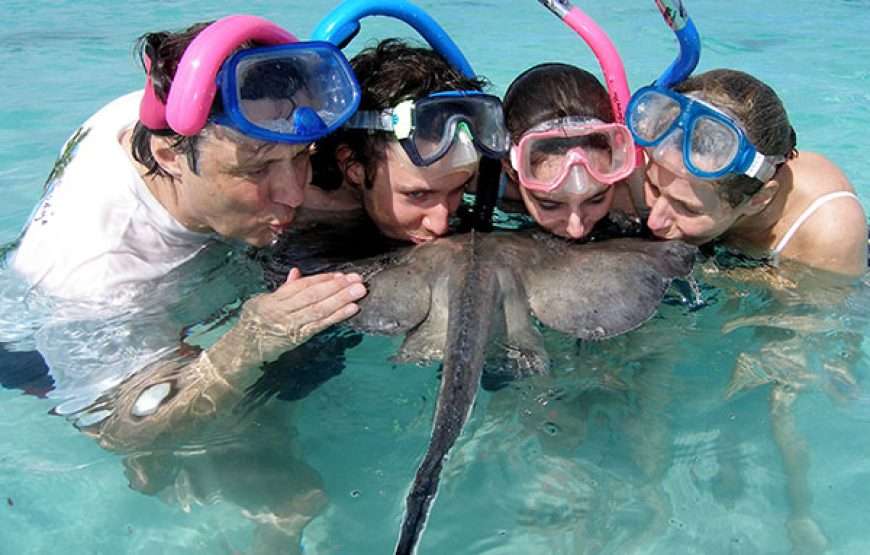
(398, 297)
(599, 290)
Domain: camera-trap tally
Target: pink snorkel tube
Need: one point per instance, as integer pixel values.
(195, 83)
(606, 53)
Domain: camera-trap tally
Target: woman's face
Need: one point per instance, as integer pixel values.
(573, 208)
(686, 208)
(567, 213)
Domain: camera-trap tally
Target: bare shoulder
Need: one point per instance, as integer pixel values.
(818, 174)
(834, 236)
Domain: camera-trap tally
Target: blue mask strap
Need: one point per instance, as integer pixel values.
(341, 25)
(681, 24)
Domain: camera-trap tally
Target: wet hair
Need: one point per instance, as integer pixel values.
(164, 50)
(553, 91)
(388, 73)
(759, 112)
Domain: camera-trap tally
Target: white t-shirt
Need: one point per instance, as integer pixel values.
(98, 233)
(98, 257)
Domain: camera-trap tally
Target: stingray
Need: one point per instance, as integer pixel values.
(454, 297)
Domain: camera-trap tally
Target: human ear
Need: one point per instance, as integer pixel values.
(762, 197)
(167, 157)
(354, 172)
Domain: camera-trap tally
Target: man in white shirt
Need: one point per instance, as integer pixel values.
(141, 189)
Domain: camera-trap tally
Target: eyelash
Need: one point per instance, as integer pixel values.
(546, 205)
(686, 210)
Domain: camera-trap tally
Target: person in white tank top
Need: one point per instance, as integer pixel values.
(782, 206)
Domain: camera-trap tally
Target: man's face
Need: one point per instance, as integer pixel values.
(411, 203)
(244, 189)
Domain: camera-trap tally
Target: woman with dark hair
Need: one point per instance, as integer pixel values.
(569, 160)
(723, 165)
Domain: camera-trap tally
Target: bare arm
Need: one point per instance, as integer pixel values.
(174, 400)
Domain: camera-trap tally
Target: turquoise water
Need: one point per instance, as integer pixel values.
(634, 445)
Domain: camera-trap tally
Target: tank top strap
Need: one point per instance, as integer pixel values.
(816, 204)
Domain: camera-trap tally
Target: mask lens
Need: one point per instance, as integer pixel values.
(298, 92)
(669, 153)
(714, 145)
(437, 119)
(607, 151)
(653, 115)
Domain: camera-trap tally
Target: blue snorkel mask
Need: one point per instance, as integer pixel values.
(471, 113)
(425, 127)
(686, 134)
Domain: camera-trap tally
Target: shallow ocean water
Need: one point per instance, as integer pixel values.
(640, 444)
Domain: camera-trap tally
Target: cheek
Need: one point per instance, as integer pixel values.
(598, 211)
(246, 195)
(550, 219)
(703, 228)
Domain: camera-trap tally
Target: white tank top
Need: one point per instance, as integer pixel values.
(816, 204)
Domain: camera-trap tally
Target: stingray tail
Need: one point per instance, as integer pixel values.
(471, 307)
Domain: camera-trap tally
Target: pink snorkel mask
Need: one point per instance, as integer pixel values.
(606, 53)
(572, 153)
(288, 91)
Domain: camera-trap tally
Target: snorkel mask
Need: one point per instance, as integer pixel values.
(686, 134)
(573, 154)
(287, 91)
(428, 127)
(425, 127)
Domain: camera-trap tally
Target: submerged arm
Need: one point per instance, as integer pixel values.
(172, 401)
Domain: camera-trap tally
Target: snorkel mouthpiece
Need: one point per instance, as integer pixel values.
(558, 7)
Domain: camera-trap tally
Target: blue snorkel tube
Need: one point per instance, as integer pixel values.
(681, 24)
(342, 24)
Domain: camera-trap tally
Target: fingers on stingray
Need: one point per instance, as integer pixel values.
(599, 290)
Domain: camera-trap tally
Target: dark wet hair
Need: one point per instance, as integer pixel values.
(760, 113)
(164, 49)
(553, 91)
(388, 73)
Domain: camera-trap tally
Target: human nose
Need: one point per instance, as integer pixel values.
(437, 218)
(576, 226)
(286, 187)
(659, 219)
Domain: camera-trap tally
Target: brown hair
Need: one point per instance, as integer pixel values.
(553, 91)
(164, 50)
(388, 73)
(760, 114)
